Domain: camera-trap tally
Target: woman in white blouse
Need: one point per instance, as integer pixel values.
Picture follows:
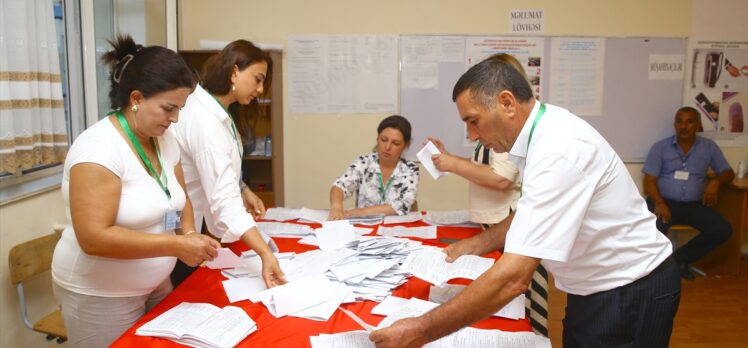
(124, 189)
(212, 150)
(384, 183)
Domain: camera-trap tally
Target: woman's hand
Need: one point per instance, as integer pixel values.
(194, 249)
(336, 213)
(271, 272)
(253, 204)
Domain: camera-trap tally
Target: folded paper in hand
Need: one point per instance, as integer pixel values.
(425, 157)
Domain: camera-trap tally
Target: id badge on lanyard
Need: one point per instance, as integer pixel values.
(172, 220)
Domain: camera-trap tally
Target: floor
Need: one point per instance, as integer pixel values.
(713, 312)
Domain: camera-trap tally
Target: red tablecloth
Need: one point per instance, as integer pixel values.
(204, 285)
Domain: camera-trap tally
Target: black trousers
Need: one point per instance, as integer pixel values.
(713, 228)
(639, 314)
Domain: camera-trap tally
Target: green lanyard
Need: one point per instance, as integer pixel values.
(139, 148)
(541, 111)
(233, 127)
(382, 188)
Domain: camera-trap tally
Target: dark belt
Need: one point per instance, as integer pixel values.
(669, 261)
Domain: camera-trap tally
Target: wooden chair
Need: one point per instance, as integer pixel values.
(27, 260)
(672, 234)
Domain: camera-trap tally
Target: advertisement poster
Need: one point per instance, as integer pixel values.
(718, 85)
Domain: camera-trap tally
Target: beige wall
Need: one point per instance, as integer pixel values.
(19, 222)
(319, 147)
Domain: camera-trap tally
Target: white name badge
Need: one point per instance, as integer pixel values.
(681, 175)
(172, 220)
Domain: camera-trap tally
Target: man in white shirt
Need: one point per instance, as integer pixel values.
(580, 214)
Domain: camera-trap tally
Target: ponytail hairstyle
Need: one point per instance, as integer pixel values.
(150, 70)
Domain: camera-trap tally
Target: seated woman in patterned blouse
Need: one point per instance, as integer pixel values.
(384, 183)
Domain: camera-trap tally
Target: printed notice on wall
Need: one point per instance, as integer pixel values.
(421, 55)
(528, 51)
(666, 66)
(343, 73)
(577, 74)
(526, 21)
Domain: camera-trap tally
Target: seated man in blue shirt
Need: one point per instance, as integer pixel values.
(679, 190)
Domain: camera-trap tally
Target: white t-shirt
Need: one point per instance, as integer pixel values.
(142, 206)
(580, 210)
(212, 165)
(489, 206)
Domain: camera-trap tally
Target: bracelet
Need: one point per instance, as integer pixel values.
(190, 232)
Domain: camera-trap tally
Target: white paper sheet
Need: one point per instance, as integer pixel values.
(335, 235)
(403, 219)
(413, 308)
(350, 339)
(515, 309)
(429, 264)
(577, 69)
(425, 232)
(225, 259)
(389, 305)
(425, 157)
(242, 288)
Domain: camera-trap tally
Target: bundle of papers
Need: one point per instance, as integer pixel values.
(425, 232)
(366, 219)
(403, 219)
(448, 218)
(313, 215)
(279, 229)
(314, 297)
(350, 339)
(466, 337)
(430, 265)
(201, 325)
(515, 309)
(281, 214)
(336, 235)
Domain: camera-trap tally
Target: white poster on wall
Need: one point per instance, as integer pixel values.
(343, 73)
(577, 74)
(421, 55)
(528, 51)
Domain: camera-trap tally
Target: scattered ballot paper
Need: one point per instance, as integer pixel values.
(425, 157)
(225, 259)
(515, 309)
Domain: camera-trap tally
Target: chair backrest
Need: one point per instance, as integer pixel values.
(31, 258)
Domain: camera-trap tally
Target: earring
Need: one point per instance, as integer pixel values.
(233, 87)
(134, 108)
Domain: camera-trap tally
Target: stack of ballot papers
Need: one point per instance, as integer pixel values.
(312, 238)
(350, 339)
(466, 337)
(366, 219)
(280, 229)
(448, 218)
(201, 325)
(313, 297)
(403, 219)
(425, 232)
(430, 265)
(515, 309)
(281, 214)
(313, 215)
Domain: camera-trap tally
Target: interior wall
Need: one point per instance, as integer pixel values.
(19, 222)
(319, 147)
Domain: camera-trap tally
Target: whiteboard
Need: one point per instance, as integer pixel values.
(637, 111)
